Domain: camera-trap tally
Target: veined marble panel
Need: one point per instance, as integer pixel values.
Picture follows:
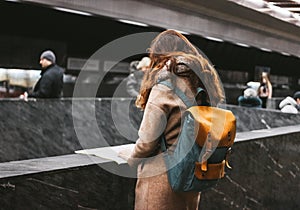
(41, 128)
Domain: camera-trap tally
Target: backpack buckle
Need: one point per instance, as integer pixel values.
(208, 152)
(228, 153)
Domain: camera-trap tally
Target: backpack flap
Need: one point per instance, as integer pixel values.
(215, 131)
(213, 123)
(214, 171)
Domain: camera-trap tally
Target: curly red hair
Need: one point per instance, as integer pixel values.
(166, 47)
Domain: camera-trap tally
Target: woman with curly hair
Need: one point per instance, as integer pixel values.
(176, 60)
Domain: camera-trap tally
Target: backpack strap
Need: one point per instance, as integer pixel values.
(180, 94)
(185, 100)
(199, 90)
(163, 144)
(203, 99)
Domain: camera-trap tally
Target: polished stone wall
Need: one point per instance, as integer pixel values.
(249, 119)
(265, 176)
(265, 172)
(41, 128)
(55, 127)
(86, 188)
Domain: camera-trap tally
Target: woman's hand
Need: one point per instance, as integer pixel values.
(24, 96)
(125, 154)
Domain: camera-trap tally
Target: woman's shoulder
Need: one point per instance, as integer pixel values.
(162, 97)
(161, 89)
(161, 92)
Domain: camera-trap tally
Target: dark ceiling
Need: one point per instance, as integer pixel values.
(83, 35)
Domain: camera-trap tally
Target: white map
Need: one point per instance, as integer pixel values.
(110, 153)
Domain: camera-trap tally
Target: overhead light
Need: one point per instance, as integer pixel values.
(266, 49)
(293, 9)
(214, 39)
(242, 44)
(279, 12)
(78, 12)
(133, 22)
(182, 32)
(265, 10)
(296, 16)
(284, 53)
(270, 7)
(13, 0)
(250, 3)
(291, 20)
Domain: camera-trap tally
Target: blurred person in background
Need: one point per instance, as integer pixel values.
(134, 79)
(250, 99)
(50, 84)
(297, 99)
(291, 105)
(288, 105)
(265, 89)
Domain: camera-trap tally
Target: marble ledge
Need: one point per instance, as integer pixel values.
(42, 165)
(266, 133)
(65, 162)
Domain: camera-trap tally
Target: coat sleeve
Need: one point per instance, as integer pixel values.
(152, 126)
(44, 88)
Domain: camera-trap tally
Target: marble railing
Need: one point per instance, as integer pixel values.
(265, 175)
(42, 128)
(249, 119)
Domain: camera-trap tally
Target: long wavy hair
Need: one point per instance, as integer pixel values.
(166, 47)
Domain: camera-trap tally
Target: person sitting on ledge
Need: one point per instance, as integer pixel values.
(50, 84)
(291, 105)
(250, 99)
(288, 105)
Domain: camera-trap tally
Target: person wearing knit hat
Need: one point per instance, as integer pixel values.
(50, 84)
(49, 55)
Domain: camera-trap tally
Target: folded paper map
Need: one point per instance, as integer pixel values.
(110, 153)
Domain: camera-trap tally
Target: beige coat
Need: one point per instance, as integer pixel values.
(162, 114)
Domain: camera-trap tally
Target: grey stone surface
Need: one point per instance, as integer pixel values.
(265, 176)
(39, 169)
(78, 188)
(42, 128)
(249, 119)
(47, 164)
